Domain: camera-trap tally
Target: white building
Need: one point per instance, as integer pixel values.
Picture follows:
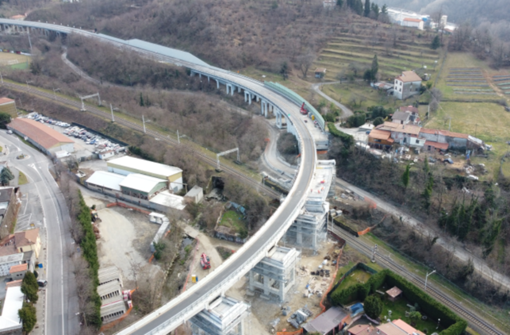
(127, 165)
(196, 194)
(9, 320)
(406, 85)
(413, 23)
(6, 262)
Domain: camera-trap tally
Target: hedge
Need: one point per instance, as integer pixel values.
(431, 307)
(347, 139)
(89, 247)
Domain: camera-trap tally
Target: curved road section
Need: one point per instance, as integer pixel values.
(174, 313)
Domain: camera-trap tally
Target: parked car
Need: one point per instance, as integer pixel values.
(42, 283)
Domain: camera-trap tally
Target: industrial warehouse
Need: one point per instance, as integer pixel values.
(142, 182)
(43, 137)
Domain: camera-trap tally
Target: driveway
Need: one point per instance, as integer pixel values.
(346, 112)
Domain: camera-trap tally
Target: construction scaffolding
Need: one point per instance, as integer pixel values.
(275, 274)
(224, 316)
(309, 228)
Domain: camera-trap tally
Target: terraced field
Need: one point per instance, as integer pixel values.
(410, 53)
(503, 83)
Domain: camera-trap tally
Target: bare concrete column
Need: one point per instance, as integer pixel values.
(217, 84)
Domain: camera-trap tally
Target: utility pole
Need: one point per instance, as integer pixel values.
(29, 41)
(54, 95)
(111, 109)
(374, 251)
(143, 120)
(427, 277)
(1, 78)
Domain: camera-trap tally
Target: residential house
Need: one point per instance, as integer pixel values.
(6, 262)
(320, 72)
(406, 85)
(401, 117)
(444, 140)
(413, 112)
(360, 329)
(412, 22)
(28, 240)
(17, 272)
(380, 139)
(402, 133)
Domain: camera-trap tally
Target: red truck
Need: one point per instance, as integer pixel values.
(205, 262)
(303, 109)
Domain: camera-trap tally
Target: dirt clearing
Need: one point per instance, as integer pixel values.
(125, 239)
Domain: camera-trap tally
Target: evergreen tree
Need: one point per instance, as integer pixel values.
(28, 316)
(6, 176)
(427, 193)
(141, 100)
(436, 43)
(359, 7)
(4, 120)
(405, 176)
(366, 11)
(375, 67)
(284, 71)
(373, 306)
(491, 234)
(426, 167)
(29, 287)
(375, 10)
(339, 3)
(384, 9)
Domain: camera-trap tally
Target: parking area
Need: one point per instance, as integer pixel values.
(86, 143)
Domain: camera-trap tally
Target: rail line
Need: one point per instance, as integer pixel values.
(162, 137)
(474, 320)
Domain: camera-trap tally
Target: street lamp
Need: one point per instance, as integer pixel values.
(438, 321)
(427, 277)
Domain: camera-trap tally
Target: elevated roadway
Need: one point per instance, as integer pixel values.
(182, 308)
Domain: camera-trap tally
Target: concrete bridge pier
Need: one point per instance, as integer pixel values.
(275, 275)
(224, 316)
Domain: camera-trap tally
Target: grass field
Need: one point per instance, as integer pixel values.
(22, 180)
(14, 61)
(357, 277)
(233, 220)
(398, 311)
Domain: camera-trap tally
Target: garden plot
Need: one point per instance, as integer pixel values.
(503, 83)
(470, 81)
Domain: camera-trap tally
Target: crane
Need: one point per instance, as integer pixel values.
(226, 153)
(90, 96)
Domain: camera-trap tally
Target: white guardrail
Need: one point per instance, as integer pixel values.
(228, 282)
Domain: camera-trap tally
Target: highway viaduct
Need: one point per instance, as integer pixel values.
(197, 298)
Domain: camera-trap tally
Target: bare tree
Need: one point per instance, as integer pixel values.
(305, 62)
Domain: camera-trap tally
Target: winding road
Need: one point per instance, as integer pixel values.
(61, 299)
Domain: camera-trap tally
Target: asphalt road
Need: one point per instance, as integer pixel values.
(270, 228)
(61, 301)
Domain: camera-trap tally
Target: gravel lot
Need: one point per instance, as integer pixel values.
(125, 239)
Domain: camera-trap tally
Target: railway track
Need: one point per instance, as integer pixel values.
(160, 136)
(474, 320)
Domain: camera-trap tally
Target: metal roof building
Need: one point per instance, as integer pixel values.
(43, 137)
(105, 181)
(142, 186)
(9, 320)
(127, 165)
